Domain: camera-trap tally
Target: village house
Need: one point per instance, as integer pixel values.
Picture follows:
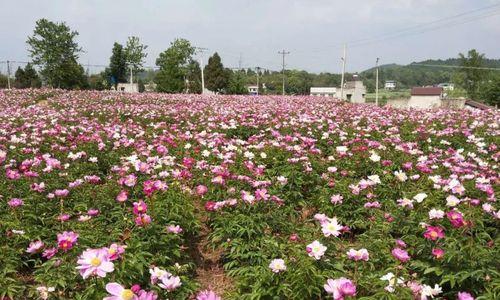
(390, 85)
(425, 97)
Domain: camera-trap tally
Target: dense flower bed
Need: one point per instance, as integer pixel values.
(106, 195)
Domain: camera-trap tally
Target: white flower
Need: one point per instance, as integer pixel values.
(452, 201)
(277, 265)
(282, 180)
(400, 175)
(249, 155)
(420, 197)
(436, 214)
(263, 155)
(93, 159)
(375, 179)
(428, 291)
(205, 153)
(332, 227)
(316, 250)
(187, 146)
(341, 149)
(375, 157)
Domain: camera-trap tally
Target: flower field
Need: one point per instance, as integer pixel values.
(156, 196)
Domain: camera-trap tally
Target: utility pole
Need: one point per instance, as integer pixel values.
(8, 74)
(283, 53)
(343, 71)
(201, 50)
(258, 70)
(376, 84)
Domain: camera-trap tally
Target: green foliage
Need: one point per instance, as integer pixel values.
(174, 66)
(468, 77)
(135, 53)
(237, 83)
(216, 78)
(117, 71)
(54, 49)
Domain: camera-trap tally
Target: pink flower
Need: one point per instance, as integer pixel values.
(66, 240)
(140, 208)
(201, 190)
(94, 262)
(170, 283)
(400, 255)
(35, 246)
(130, 180)
(61, 193)
(63, 217)
(336, 199)
(361, 254)
(464, 296)
(401, 244)
(115, 251)
(49, 252)
(438, 253)
(261, 194)
(174, 229)
(15, 202)
(207, 295)
(122, 196)
(142, 220)
(434, 233)
(456, 218)
(340, 288)
(210, 206)
(118, 292)
(146, 295)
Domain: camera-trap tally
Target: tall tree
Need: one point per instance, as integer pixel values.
(237, 83)
(117, 65)
(470, 76)
(194, 78)
(135, 53)
(174, 66)
(53, 47)
(20, 79)
(216, 78)
(27, 77)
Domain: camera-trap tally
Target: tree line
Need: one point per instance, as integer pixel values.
(54, 51)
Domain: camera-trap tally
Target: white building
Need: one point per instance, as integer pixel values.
(354, 91)
(253, 89)
(390, 84)
(447, 86)
(128, 87)
(426, 97)
(324, 91)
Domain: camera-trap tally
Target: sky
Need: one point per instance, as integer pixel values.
(251, 32)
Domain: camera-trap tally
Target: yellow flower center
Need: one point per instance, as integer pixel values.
(127, 294)
(95, 262)
(434, 234)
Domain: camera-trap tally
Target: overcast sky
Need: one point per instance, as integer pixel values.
(312, 30)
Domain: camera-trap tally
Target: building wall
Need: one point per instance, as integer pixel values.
(424, 102)
(398, 103)
(453, 103)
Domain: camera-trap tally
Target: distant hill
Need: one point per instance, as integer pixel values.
(407, 76)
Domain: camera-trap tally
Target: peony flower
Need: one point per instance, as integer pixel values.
(174, 229)
(15, 202)
(35, 246)
(66, 240)
(361, 254)
(277, 265)
(464, 296)
(140, 208)
(456, 218)
(118, 292)
(336, 199)
(94, 262)
(142, 220)
(316, 250)
(201, 190)
(428, 291)
(420, 197)
(400, 255)
(436, 214)
(331, 227)
(122, 196)
(170, 283)
(438, 253)
(115, 251)
(49, 252)
(207, 295)
(434, 233)
(340, 288)
(400, 175)
(157, 273)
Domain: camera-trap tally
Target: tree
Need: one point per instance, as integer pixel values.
(470, 77)
(490, 91)
(135, 53)
(216, 78)
(54, 49)
(26, 78)
(117, 65)
(194, 77)
(237, 84)
(174, 66)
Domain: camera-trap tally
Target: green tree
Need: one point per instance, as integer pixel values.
(32, 77)
(174, 66)
(20, 79)
(135, 53)
(237, 84)
(117, 65)
(194, 77)
(53, 47)
(490, 91)
(216, 78)
(470, 77)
